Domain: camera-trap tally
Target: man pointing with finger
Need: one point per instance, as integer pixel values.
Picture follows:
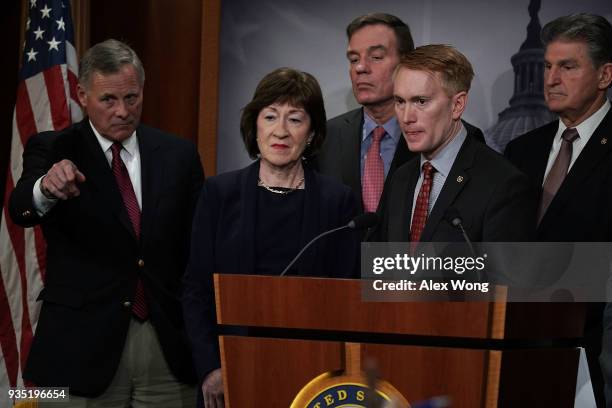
(115, 200)
(60, 182)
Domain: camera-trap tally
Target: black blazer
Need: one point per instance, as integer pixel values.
(581, 211)
(340, 155)
(93, 256)
(223, 242)
(493, 198)
(582, 208)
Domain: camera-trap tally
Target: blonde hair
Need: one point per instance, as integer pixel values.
(455, 70)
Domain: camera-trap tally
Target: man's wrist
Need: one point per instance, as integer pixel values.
(44, 191)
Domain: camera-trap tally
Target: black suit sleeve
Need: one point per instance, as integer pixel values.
(196, 181)
(198, 287)
(37, 160)
(605, 359)
(474, 132)
(509, 153)
(511, 212)
(378, 232)
(347, 245)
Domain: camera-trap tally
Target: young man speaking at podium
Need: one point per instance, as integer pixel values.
(453, 169)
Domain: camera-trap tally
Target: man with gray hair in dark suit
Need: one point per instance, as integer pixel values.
(570, 160)
(115, 201)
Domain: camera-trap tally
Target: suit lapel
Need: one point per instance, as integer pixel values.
(351, 168)
(248, 215)
(100, 178)
(596, 150)
(535, 166)
(400, 203)
(401, 156)
(151, 175)
(456, 181)
(352, 133)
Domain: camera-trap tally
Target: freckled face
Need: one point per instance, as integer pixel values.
(283, 132)
(425, 112)
(113, 102)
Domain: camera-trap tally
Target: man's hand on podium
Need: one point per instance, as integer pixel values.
(212, 389)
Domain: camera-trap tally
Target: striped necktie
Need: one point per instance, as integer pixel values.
(139, 307)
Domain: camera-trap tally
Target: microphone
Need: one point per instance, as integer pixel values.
(454, 218)
(366, 220)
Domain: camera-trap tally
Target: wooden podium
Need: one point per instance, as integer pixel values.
(480, 354)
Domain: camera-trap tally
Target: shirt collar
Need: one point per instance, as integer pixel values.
(130, 144)
(443, 162)
(391, 127)
(588, 126)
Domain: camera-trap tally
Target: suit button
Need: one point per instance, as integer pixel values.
(26, 214)
(127, 304)
(140, 263)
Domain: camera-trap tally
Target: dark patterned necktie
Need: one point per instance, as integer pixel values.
(421, 208)
(373, 172)
(558, 171)
(139, 307)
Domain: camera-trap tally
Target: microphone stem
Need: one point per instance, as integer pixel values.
(312, 241)
(469, 242)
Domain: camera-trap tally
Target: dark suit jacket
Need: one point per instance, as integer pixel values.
(492, 197)
(581, 211)
(93, 256)
(340, 155)
(223, 242)
(582, 208)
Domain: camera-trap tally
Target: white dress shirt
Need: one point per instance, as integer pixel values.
(130, 154)
(443, 162)
(585, 131)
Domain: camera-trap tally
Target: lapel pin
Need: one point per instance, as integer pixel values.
(604, 140)
(460, 179)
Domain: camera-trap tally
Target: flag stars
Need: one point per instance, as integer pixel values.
(61, 25)
(31, 55)
(39, 33)
(32, 3)
(28, 24)
(46, 12)
(53, 44)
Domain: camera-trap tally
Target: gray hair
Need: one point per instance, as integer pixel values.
(592, 29)
(107, 58)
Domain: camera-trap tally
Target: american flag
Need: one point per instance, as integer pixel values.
(46, 100)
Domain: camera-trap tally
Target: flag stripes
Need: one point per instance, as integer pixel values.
(46, 100)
